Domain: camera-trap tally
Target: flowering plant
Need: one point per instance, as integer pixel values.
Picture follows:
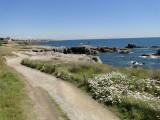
(112, 87)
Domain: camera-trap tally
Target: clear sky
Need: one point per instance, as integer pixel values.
(79, 19)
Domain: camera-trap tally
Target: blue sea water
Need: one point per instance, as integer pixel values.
(117, 59)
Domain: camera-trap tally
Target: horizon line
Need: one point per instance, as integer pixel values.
(109, 38)
(77, 38)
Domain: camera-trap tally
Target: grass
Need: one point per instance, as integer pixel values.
(78, 73)
(73, 72)
(133, 109)
(6, 51)
(14, 101)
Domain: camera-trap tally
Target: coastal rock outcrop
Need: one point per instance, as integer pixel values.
(145, 55)
(89, 50)
(156, 55)
(135, 64)
(106, 49)
(96, 59)
(133, 46)
(37, 50)
(124, 51)
(158, 52)
(155, 46)
(81, 50)
(84, 49)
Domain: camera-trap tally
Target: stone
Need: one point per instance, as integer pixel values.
(35, 50)
(96, 59)
(133, 46)
(147, 55)
(155, 46)
(58, 75)
(106, 49)
(80, 50)
(158, 52)
(124, 51)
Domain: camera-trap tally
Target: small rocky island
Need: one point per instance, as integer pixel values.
(156, 55)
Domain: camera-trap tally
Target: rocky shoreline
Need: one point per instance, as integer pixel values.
(84, 49)
(130, 46)
(87, 53)
(92, 50)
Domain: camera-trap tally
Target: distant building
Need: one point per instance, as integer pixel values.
(5, 40)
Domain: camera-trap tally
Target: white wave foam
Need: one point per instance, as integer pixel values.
(150, 56)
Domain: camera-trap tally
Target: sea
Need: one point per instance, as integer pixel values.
(118, 59)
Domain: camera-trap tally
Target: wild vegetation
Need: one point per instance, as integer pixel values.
(136, 97)
(14, 102)
(71, 71)
(4, 51)
(132, 92)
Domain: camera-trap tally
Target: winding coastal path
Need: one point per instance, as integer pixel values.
(76, 104)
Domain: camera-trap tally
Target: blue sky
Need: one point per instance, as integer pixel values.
(79, 19)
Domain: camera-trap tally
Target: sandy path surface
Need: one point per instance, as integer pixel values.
(74, 102)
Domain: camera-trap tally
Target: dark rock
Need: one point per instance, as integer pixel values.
(158, 52)
(46, 50)
(147, 55)
(65, 51)
(95, 52)
(58, 75)
(102, 49)
(124, 51)
(137, 63)
(53, 49)
(133, 46)
(106, 49)
(115, 49)
(155, 46)
(81, 50)
(69, 50)
(41, 51)
(157, 55)
(96, 59)
(89, 50)
(35, 50)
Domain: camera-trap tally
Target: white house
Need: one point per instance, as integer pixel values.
(6, 40)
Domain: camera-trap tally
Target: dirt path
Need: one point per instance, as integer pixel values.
(43, 107)
(75, 103)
